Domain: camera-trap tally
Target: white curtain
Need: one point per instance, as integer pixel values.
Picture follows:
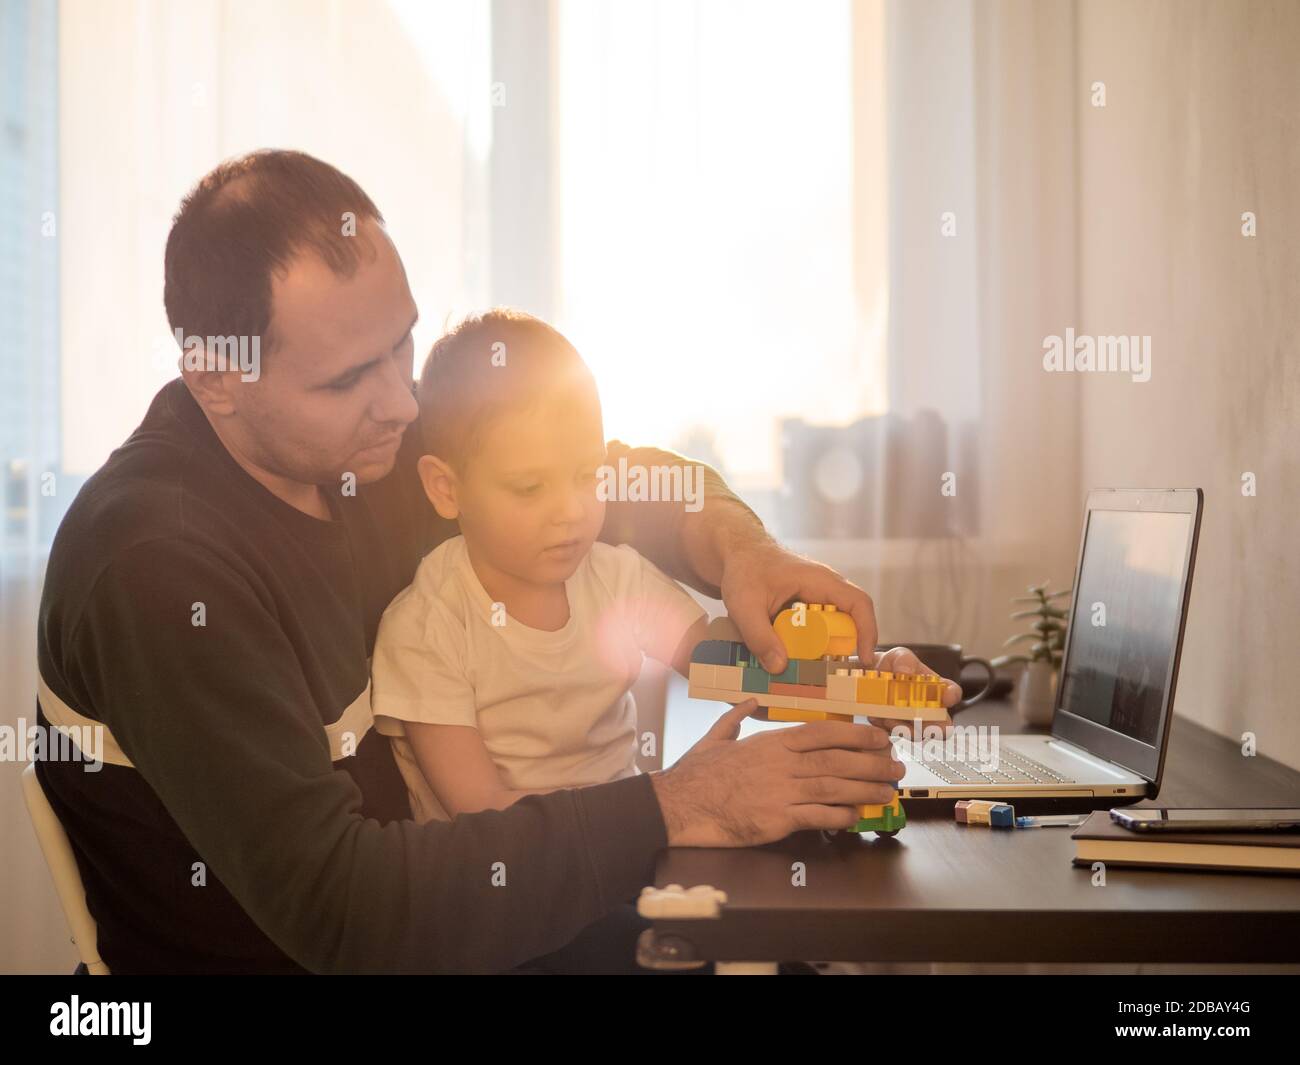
(980, 100)
(114, 111)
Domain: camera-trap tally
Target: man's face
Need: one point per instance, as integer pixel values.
(335, 393)
(527, 498)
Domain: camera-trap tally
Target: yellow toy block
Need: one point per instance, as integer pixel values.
(872, 688)
(930, 686)
(813, 630)
(785, 713)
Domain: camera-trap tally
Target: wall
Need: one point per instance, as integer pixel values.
(1201, 123)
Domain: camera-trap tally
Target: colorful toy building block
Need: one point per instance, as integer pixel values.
(885, 819)
(983, 812)
(818, 684)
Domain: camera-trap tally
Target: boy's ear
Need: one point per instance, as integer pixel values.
(440, 485)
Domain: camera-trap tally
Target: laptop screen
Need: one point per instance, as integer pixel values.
(1125, 622)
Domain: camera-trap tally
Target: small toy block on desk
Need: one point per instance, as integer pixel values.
(885, 818)
(978, 811)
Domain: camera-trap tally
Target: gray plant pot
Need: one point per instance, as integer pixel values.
(1036, 693)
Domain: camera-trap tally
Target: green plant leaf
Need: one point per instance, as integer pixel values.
(1016, 639)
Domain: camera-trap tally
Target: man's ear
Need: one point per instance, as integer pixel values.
(441, 485)
(210, 388)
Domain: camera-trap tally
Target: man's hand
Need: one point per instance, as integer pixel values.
(726, 792)
(759, 577)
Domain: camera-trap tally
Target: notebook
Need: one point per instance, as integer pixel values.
(1099, 839)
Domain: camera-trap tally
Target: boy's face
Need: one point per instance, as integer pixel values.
(526, 499)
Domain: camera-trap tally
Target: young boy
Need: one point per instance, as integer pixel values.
(504, 669)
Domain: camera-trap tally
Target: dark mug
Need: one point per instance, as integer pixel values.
(947, 660)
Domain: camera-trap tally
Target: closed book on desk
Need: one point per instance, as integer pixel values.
(1099, 839)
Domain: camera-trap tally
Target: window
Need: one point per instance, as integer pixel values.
(711, 269)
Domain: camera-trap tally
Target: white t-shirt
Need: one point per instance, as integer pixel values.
(553, 708)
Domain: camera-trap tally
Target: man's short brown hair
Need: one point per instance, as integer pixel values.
(244, 223)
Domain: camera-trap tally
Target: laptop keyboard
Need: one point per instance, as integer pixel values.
(1011, 768)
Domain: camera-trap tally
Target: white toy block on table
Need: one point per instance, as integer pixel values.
(676, 902)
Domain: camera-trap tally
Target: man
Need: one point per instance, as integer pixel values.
(212, 598)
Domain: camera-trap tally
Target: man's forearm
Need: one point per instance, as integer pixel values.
(687, 542)
(709, 534)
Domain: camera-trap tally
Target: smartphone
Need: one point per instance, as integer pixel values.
(1161, 819)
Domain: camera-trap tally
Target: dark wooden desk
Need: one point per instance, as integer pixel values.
(943, 892)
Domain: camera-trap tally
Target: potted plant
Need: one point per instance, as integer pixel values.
(1036, 690)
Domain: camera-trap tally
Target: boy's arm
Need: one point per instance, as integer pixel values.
(682, 655)
(456, 763)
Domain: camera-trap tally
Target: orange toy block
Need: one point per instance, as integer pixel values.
(798, 691)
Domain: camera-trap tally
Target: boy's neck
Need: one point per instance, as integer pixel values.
(538, 606)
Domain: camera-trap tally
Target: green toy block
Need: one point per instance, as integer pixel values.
(754, 679)
(789, 675)
(888, 822)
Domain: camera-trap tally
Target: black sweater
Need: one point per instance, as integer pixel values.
(310, 864)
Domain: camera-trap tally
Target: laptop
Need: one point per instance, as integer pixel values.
(1115, 696)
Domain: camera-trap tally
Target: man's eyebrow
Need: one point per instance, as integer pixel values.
(409, 330)
(359, 369)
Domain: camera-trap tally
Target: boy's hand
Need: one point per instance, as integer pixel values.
(901, 660)
(726, 792)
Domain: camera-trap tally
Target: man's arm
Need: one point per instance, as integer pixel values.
(220, 723)
(721, 548)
